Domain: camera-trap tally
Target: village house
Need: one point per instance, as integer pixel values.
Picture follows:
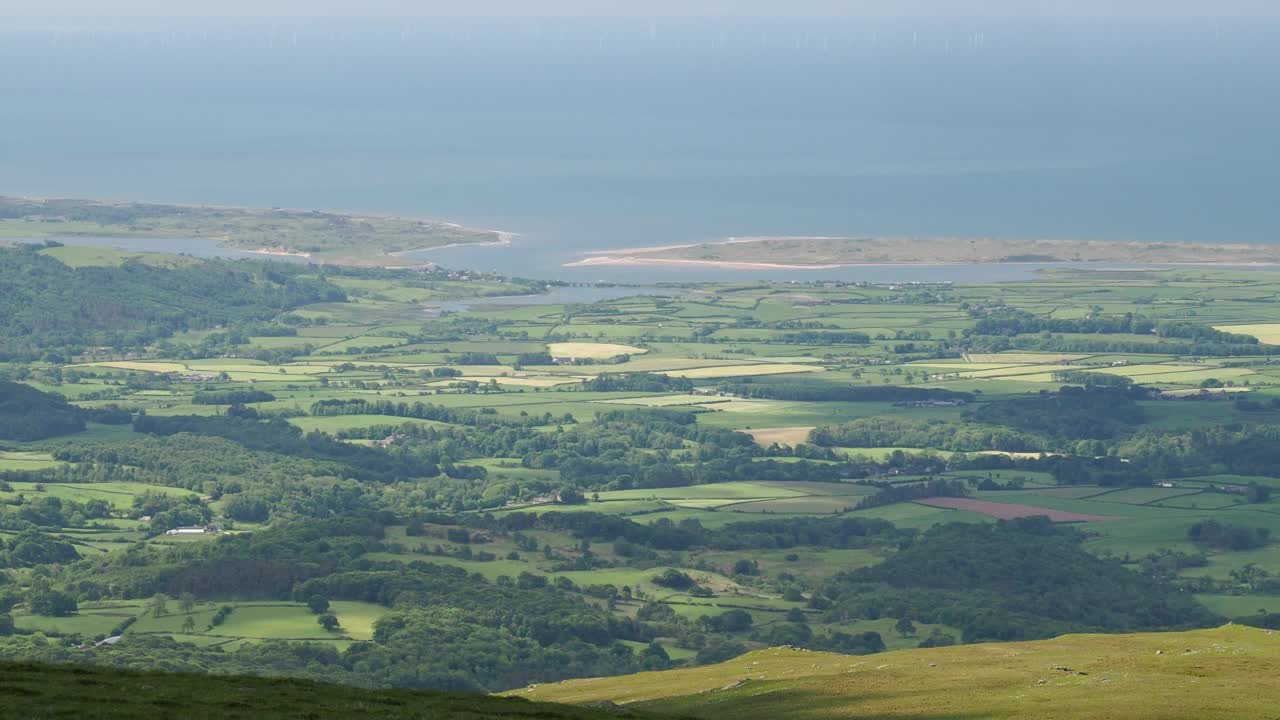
(206, 530)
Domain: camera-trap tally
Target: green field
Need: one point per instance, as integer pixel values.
(247, 622)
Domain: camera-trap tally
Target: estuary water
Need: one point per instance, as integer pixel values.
(595, 135)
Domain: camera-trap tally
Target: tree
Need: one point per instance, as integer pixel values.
(44, 600)
(328, 622)
(317, 604)
(905, 627)
(188, 625)
(674, 579)
(937, 638)
(1257, 493)
(655, 656)
(187, 602)
(159, 605)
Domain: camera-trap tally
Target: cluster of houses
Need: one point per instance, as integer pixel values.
(390, 440)
(191, 377)
(929, 403)
(195, 530)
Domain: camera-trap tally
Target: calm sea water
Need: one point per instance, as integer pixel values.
(586, 136)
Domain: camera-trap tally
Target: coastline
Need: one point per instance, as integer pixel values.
(504, 238)
(280, 252)
(631, 261)
(237, 225)
(652, 256)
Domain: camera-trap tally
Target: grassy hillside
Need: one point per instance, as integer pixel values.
(1233, 671)
(69, 691)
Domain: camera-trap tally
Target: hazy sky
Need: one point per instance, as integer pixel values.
(639, 8)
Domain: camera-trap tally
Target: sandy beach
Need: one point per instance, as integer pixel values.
(826, 254)
(632, 261)
(504, 238)
(279, 251)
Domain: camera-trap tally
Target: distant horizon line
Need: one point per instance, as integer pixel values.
(1119, 17)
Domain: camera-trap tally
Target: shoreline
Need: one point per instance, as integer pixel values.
(627, 261)
(504, 238)
(274, 252)
(43, 220)
(651, 256)
(599, 261)
(352, 214)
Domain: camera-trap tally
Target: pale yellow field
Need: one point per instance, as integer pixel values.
(742, 371)
(592, 351)
(1197, 376)
(198, 366)
(1140, 370)
(703, 504)
(537, 381)
(1204, 391)
(748, 405)
(265, 376)
(155, 367)
(1268, 333)
(668, 400)
(1150, 374)
(781, 436)
(1023, 357)
(958, 367)
(662, 364)
(1013, 372)
(1042, 377)
(485, 371)
(364, 363)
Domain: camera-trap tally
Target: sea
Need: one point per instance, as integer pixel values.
(588, 135)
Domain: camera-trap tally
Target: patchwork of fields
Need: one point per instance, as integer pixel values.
(778, 409)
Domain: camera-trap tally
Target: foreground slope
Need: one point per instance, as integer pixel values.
(73, 691)
(1233, 671)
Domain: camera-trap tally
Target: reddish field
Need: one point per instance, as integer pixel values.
(1005, 511)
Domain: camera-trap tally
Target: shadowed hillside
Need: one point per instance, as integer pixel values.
(71, 691)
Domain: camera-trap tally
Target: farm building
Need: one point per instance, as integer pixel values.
(206, 530)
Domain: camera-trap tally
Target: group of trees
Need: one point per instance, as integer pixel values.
(1072, 413)
(939, 434)
(28, 414)
(1012, 580)
(1011, 321)
(50, 311)
(31, 548)
(1225, 536)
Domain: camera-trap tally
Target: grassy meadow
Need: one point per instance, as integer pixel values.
(1220, 673)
